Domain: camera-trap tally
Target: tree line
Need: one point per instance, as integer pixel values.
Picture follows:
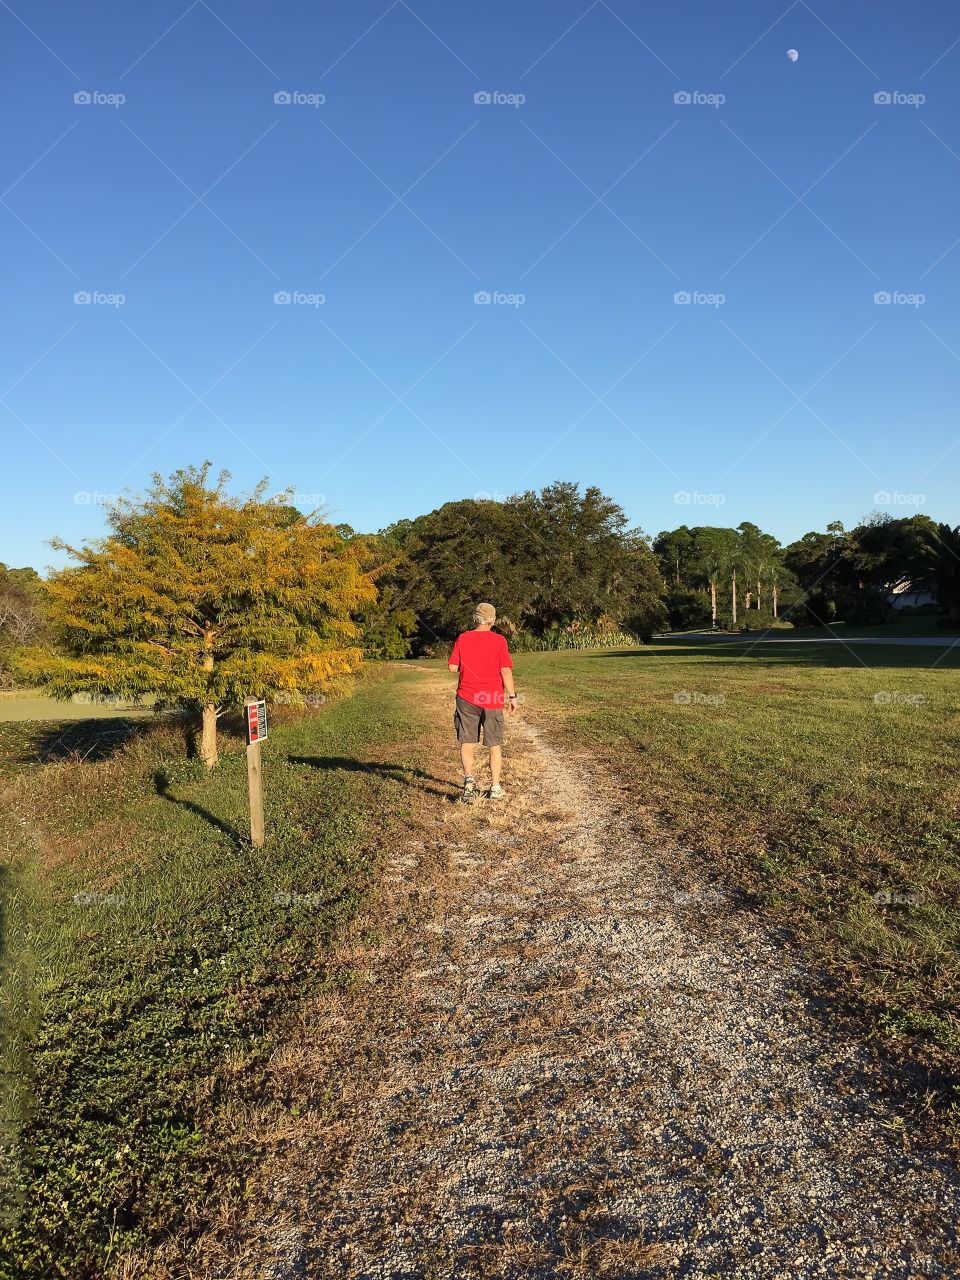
(744, 578)
(201, 598)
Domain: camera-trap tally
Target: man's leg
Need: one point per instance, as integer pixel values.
(466, 758)
(496, 760)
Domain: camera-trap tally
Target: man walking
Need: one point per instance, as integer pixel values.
(485, 670)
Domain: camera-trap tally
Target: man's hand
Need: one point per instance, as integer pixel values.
(512, 704)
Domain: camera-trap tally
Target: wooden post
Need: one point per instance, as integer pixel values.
(255, 785)
(256, 723)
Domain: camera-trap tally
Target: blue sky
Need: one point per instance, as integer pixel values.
(782, 198)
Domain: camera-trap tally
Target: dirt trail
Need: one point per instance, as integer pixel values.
(571, 1056)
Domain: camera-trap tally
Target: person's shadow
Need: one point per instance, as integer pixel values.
(406, 774)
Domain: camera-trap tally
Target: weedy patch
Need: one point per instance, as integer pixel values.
(153, 961)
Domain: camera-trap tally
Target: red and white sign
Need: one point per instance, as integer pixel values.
(256, 717)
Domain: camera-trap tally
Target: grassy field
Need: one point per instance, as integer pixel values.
(151, 956)
(823, 782)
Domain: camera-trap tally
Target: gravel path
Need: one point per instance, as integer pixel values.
(569, 1055)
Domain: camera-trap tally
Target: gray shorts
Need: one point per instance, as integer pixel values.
(469, 719)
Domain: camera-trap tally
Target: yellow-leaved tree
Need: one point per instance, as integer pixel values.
(204, 599)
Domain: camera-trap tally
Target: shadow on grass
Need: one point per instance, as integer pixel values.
(162, 784)
(89, 740)
(812, 653)
(394, 772)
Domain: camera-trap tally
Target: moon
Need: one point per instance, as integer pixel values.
(793, 55)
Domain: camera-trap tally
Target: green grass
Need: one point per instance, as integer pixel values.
(813, 777)
(152, 955)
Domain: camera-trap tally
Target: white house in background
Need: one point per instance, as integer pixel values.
(911, 592)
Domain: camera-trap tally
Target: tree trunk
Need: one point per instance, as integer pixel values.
(733, 595)
(208, 721)
(208, 735)
(774, 600)
(713, 604)
(758, 595)
(746, 600)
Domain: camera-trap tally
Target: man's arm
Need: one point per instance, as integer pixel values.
(506, 675)
(453, 662)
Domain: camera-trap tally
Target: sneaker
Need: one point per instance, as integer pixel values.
(469, 793)
(495, 793)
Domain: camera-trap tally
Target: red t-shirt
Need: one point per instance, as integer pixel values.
(480, 655)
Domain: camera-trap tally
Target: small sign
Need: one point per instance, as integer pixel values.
(256, 715)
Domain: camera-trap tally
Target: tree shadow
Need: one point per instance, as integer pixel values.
(406, 774)
(162, 784)
(85, 740)
(825, 652)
